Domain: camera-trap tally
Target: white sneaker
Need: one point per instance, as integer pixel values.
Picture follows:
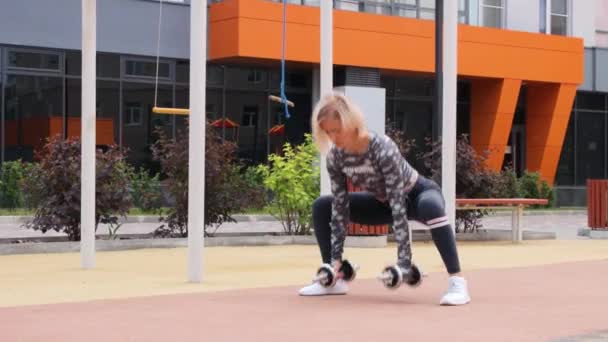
(315, 289)
(457, 293)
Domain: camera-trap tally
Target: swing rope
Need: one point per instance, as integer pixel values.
(160, 21)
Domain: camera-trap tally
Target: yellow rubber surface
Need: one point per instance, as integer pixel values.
(57, 278)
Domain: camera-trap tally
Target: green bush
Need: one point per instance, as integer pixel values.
(293, 179)
(253, 183)
(56, 185)
(144, 188)
(225, 191)
(528, 185)
(31, 184)
(12, 175)
(473, 179)
(531, 186)
(507, 184)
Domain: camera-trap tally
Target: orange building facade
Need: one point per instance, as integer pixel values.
(496, 63)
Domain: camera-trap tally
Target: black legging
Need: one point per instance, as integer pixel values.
(425, 203)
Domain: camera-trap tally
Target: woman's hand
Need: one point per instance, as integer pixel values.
(337, 265)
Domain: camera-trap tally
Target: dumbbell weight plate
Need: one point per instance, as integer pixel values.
(391, 277)
(325, 276)
(348, 271)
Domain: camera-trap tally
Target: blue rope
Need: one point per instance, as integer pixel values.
(283, 97)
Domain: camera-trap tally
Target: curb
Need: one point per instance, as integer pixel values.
(599, 234)
(141, 243)
(52, 245)
(21, 219)
(485, 235)
(16, 219)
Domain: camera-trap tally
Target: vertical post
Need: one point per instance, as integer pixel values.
(196, 139)
(87, 169)
(327, 77)
(516, 223)
(448, 146)
(438, 94)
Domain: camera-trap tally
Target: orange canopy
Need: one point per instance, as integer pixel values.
(219, 123)
(277, 130)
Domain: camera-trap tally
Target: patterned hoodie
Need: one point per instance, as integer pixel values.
(381, 171)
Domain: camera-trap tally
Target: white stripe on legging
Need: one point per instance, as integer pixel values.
(435, 220)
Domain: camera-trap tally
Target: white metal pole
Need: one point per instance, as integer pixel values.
(327, 79)
(196, 158)
(448, 146)
(87, 172)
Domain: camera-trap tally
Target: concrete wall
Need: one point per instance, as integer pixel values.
(601, 24)
(601, 72)
(596, 70)
(523, 15)
(582, 21)
(589, 77)
(123, 26)
(372, 102)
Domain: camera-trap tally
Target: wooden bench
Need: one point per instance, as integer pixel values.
(515, 204)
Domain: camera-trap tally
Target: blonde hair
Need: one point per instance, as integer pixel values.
(340, 107)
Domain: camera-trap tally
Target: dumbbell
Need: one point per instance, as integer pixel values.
(393, 276)
(326, 276)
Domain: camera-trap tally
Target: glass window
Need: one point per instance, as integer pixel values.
(182, 95)
(73, 63)
(590, 146)
(133, 114)
(559, 7)
(415, 119)
(559, 25)
(591, 101)
(108, 65)
(492, 13)
(388, 83)
(414, 87)
(463, 119)
(378, 7)
(405, 8)
(139, 123)
(348, 5)
(215, 75)
(107, 109)
(294, 80)
(565, 168)
(182, 71)
(34, 60)
(147, 69)
(247, 78)
(559, 17)
(495, 3)
(33, 112)
(250, 116)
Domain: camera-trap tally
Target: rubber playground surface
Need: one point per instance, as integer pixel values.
(533, 291)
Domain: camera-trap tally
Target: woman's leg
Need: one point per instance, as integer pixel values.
(364, 209)
(430, 210)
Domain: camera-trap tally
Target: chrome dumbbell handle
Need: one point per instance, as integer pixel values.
(393, 276)
(325, 276)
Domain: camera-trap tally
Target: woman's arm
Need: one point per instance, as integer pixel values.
(390, 165)
(340, 210)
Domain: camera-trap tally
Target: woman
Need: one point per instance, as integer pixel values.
(393, 190)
